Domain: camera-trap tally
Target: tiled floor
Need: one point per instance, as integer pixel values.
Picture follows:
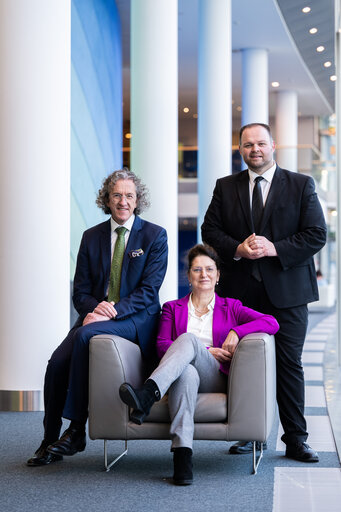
(312, 487)
(307, 489)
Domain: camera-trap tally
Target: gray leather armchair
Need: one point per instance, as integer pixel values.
(245, 412)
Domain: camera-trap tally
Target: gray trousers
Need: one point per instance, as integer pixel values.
(186, 368)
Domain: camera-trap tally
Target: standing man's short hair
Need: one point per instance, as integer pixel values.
(251, 125)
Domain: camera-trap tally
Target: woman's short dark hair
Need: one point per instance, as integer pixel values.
(202, 250)
(142, 193)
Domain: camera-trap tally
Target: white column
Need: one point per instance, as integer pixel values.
(338, 168)
(214, 99)
(286, 129)
(34, 193)
(154, 118)
(255, 90)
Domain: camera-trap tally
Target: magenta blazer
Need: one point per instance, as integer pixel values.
(227, 314)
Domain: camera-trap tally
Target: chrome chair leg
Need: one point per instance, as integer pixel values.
(108, 466)
(256, 460)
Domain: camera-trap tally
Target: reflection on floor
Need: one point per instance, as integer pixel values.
(311, 487)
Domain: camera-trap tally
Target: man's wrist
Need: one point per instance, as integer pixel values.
(237, 256)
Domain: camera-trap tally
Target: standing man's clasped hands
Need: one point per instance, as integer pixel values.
(255, 247)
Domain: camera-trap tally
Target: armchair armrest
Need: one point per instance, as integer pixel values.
(112, 360)
(252, 389)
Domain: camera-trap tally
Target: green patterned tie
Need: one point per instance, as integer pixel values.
(116, 266)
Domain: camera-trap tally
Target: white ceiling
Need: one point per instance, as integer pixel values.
(293, 60)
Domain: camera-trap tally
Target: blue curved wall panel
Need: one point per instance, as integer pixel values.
(96, 109)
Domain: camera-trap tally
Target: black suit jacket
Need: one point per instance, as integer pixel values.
(143, 270)
(293, 220)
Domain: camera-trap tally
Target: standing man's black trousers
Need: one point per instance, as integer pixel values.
(289, 346)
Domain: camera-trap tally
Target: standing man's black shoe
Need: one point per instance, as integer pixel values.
(302, 452)
(42, 457)
(182, 459)
(140, 400)
(245, 447)
(71, 442)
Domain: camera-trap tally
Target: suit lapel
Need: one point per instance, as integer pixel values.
(219, 314)
(105, 248)
(244, 196)
(133, 244)
(181, 315)
(275, 191)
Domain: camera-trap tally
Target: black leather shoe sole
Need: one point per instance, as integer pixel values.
(183, 482)
(130, 398)
(243, 447)
(43, 460)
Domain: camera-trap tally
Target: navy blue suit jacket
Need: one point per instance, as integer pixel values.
(141, 276)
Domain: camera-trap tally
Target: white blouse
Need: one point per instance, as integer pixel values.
(201, 326)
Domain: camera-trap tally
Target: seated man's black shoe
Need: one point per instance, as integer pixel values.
(302, 452)
(140, 400)
(71, 442)
(182, 460)
(42, 457)
(245, 447)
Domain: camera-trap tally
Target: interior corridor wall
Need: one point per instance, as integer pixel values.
(96, 109)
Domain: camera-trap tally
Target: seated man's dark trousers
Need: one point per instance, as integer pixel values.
(67, 374)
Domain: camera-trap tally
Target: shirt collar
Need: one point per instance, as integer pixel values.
(267, 175)
(128, 225)
(210, 306)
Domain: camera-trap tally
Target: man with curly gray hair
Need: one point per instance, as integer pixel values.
(121, 265)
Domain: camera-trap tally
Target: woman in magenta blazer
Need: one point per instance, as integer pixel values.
(197, 337)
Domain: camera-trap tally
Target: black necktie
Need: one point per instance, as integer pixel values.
(257, 204)
(257, 213)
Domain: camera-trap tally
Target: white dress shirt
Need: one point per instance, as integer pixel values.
(201, 326)
(265, 184)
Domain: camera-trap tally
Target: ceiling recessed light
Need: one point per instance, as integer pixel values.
(128, 135)
(313, 30)
(327, 64)
(195, 116)
(275, 84)
(333, 78)
(186, 110)
(305, 10)
(239, 109)
(320, 49)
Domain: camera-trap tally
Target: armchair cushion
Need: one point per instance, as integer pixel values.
(210, 408)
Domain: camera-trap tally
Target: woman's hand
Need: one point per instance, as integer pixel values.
(231, 342)
(220, 354)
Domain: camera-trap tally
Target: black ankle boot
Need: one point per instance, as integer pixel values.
(140, 400)
(182, 460)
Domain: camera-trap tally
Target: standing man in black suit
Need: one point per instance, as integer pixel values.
(121, 265)
(266, 223)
